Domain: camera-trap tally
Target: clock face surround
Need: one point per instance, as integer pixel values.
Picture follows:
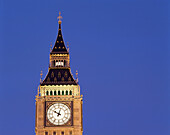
(58, 114)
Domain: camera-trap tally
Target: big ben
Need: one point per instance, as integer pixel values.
(59, 102)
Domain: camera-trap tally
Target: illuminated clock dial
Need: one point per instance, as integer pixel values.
(58, 114)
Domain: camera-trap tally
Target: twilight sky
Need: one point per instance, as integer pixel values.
(119, 47)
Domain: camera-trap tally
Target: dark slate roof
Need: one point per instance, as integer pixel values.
(59, 46)
(59, 77)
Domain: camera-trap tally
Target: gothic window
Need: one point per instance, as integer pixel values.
(55, 92)
(66, 92)
(52, 74)
(59, 74)
(70, 132)
(55, 79)
(54, 133)
(46, 133)
(62, 133)
(46, 93)
(69, 79)
(62, 79)
(70, 92)
(48, 79)
(65, 74)
(58, 92)
(51, 93)
(62, 92)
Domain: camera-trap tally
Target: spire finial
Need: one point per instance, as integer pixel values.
(77, 76)
(59, 18)
(67, 47)
(41, 76)
(50, 46)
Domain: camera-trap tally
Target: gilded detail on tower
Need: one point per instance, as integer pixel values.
(58, 102)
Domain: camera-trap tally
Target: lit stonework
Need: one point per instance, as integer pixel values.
(58, 102)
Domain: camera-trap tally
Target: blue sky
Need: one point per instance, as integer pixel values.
(119, 47)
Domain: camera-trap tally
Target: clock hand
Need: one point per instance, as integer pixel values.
(59, 112)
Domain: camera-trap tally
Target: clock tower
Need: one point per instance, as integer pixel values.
(58, 102)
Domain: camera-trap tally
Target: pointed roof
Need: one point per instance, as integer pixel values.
(59, 46)
(59, 77)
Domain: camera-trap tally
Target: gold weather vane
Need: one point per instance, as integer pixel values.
(41, 76)
(59, 18)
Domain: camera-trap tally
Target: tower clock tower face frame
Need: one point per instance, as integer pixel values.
(59, 114)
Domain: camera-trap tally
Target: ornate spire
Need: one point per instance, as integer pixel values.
(41, 76)
(59, 67)
(59, 46)
(77, 76)
(38, 91)
(51, 46)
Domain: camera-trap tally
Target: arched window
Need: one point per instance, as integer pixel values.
(70, 92)
(56, 63)
(58, 92)
(54, 133)
(55, 92)
(47, 93)
(62, 133)
(59, 63)
(51, 93)
(66, 92)
(63, 92)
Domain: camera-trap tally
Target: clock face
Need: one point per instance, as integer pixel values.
(58, 114)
